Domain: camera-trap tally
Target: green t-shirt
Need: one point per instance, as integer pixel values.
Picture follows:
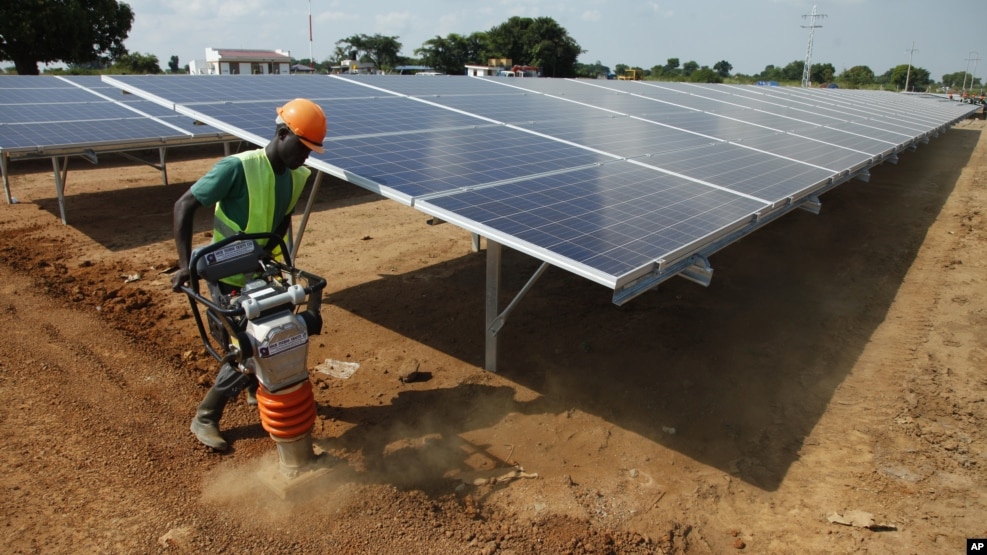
(226, 184)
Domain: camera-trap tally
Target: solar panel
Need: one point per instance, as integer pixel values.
(624, 183)
(410, 165)
(613, 233)
(59, 115)
(45, 116)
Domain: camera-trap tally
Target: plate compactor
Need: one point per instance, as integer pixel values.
(263, 329)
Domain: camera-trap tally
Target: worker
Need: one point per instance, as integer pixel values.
(254, 192)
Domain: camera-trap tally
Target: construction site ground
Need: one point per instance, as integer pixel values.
(825, 394)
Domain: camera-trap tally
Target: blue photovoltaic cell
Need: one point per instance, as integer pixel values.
(611, 219)
(716, 126)
(798, 147)
(846, 139)
(437, 86)
(518, 108)
(415, 164)
(91, 110)
(872, 131)
(44, 112)
(83, 133)
(620, 136)
(355, 116)
(277, 89)
(745, 171)
(608, 179)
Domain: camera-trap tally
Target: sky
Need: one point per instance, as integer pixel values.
(943, 36)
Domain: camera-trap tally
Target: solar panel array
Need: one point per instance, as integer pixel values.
(45, 115)
(624, 183)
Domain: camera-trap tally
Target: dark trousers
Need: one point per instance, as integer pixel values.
(229, 381)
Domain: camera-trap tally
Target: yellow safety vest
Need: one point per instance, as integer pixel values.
(260, 190)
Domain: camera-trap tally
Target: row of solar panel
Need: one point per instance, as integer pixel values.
(610, 180)
(606, 179)
(41, 114)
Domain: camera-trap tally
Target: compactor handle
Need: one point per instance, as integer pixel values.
(253, 307)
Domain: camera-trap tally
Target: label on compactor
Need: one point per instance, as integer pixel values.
(283, 345)
(231, 251)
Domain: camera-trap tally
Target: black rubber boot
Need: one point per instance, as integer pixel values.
(205, 425)
(252, 394)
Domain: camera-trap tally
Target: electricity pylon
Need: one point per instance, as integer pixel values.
(908, 75)
(808, 54)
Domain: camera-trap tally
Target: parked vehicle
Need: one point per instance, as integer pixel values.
(631, 75)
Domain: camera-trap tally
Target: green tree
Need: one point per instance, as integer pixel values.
(857, 76)
(705, 75)
(540, 42)
(672, 66)
(723, 68)
(689, 67)
(554, 51)
(793, 71)
(772, 73)
(507, 39)
(956, 80)
(70, 31)
(137, 63)
(918, 78)
(380, 50)
(591, 70)
(450, 54)
(821, 73)
(173, 64)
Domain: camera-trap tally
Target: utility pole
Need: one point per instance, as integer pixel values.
(968, 60)
(311, 60)
(909, 73)
(806, 72)
(974, 74)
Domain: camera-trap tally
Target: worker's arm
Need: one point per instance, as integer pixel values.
(184, 216)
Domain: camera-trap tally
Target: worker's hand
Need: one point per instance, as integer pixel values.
(178, 279)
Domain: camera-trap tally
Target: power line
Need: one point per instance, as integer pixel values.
(808, 54)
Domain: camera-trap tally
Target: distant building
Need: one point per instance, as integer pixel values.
(414, 70)
(228, 61)
(353, 67)
(493, 67)
(481, 71)
(502, 67)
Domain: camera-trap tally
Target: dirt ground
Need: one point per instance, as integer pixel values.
(834, 367)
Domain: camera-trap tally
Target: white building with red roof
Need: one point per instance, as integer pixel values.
(240, 61)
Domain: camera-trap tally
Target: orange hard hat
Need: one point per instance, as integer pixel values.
(306, 120)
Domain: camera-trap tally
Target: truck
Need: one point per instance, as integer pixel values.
(631, 75)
